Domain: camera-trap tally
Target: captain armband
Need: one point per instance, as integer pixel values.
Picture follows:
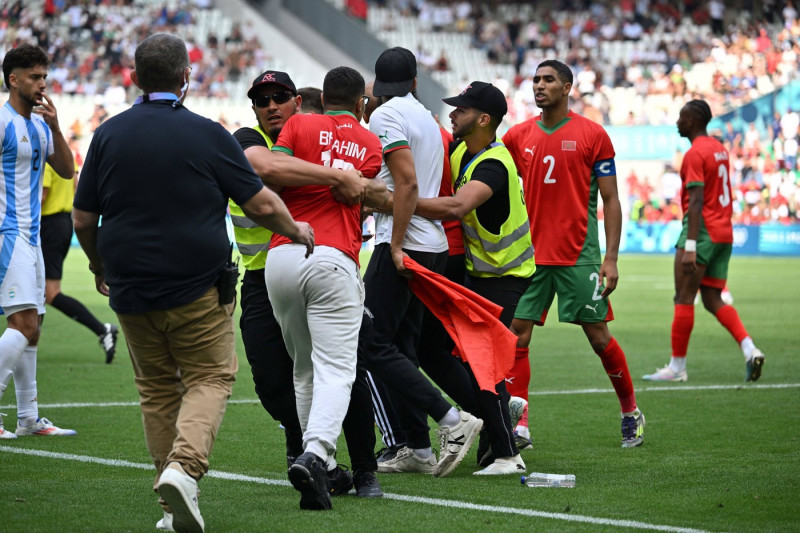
(605, 167)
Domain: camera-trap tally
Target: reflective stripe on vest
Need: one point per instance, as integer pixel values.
(252, 240)
(486, 254)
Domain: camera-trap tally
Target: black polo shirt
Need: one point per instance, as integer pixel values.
(161, 176)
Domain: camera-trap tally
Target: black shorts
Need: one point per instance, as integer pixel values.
(56, 233)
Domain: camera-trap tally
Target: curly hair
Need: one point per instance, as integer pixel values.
(24, 56)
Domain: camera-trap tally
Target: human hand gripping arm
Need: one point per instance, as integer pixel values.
(267, 209)
(406, 193)
(612, 211)
(467, 198)
(376, 195)
(86, 224)
(278, 169)
(61, 160)
(689, 259)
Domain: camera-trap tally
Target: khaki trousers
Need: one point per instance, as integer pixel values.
(185, 366)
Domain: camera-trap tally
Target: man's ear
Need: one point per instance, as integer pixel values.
(135, 78)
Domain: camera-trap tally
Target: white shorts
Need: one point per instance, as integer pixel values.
(21, 275)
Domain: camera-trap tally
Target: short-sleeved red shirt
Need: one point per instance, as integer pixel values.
(559, 169)
(706, 165)
(338, 140)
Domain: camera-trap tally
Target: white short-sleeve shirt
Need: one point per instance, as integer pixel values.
(403, 123)
(25, 145)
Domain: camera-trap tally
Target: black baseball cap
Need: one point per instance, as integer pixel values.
(481, 96)
(271, 76)
(395, 71)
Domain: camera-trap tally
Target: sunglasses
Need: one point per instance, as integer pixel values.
(279, 98)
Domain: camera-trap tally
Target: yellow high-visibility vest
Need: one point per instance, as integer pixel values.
(489, 255)
(252, 240)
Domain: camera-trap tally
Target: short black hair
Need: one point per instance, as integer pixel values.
(312, 100)
(495, 121)
(160, 61)
(342, 87)
(23, 56)
(564, 72)
(700, 110)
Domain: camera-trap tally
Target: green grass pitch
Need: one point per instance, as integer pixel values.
(719, 454)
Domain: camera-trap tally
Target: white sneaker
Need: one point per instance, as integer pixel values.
(666, 374)
(179, 490)
(43, 427)
(455, 442)
(753, 365)
(5, 434)
(165, 524)
(516, 407)
(504, 465)
(408, 461)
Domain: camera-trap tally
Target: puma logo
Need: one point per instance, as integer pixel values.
(530, 150)
(592, 308)
(385, 135)
(510, 380)
(617, 375)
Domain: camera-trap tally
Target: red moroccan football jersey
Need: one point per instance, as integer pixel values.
(706, 165)
(335, 139)
(452, 228)
(559, 169)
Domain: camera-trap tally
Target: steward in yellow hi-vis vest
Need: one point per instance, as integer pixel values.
(252, 240)
(497, 263)
(508, 252)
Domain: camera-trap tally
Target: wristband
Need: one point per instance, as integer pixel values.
(691, 245)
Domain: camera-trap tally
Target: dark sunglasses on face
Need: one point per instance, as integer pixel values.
(279, 98)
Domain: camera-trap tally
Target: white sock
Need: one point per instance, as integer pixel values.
(523, 431)
(316, 447)
(451, 418)
(677, 364)
(747, 347)
(330, 463)
(423, 453)
(12, 344)
(25, 384)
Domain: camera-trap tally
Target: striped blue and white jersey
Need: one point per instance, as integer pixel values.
(26, 145)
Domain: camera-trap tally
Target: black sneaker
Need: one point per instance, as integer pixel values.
(108, 341)
(387, 454)
(367, 485)
(308, 477)
(340, 481)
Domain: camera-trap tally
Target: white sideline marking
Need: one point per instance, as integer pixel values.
(659, 388)
(671, 388)
(453, 504)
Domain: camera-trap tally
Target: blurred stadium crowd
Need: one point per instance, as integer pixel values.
(636, 62)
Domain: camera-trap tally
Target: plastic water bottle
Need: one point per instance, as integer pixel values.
(538, 479)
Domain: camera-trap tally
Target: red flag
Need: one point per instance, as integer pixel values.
(471, 321)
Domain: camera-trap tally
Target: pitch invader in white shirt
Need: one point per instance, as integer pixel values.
(29, 137)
